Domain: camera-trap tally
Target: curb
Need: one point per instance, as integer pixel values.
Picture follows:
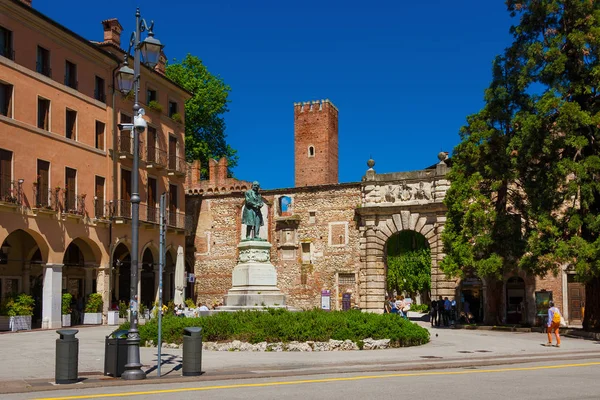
(91, 380)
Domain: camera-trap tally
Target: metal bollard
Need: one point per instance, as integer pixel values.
(67, 354)
(192, 351)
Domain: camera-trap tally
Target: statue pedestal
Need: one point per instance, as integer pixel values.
(254, 279)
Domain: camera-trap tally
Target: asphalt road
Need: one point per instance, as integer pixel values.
(562, 380)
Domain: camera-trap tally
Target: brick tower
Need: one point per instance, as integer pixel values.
(315, 143)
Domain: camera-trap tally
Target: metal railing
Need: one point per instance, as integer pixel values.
(10, 192)
(121, 209)
(156, 156)
(177, 164)
(102, 210)
(45, 198)
(125, 145)
(176, 219)
(74, 204)
(151, 214)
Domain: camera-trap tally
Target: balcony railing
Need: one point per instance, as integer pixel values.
(45, 198)
(74, 204)
(156, 157)
(177, 165)
(125, 146)
(102, 210)
(10, 192)
(176, 219)
(151, 214)
(122, 209)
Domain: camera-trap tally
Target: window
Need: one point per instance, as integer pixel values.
(346, 279)
(172, 153)
(100, 127)
(125, 119)
(71, 124)
(99, 91)
(338, 233)
(172, 108)
(6, 43)
(6, 193)
(312, 217)
(125, 144)
(99, 198)
(151, 156)
(173, 205)
(6, 92)
(305, 253)
(152, 214)
(43, 184)
(70, 185)
(71, 74)
(43, 121)
(285, 206)
(150, 96)
(43, 61)
(311, 151)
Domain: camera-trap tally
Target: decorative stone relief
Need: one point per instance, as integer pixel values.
(401, 192)
(254, 255)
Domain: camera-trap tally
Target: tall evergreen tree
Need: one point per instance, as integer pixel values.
(536, 145)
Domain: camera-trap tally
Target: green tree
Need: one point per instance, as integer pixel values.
(205, 136)
(526, 177)
(408, 263)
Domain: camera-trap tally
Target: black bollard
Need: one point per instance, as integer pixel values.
(67, 356)
(192, 352)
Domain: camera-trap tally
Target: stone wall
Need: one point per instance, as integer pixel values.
(314, 244)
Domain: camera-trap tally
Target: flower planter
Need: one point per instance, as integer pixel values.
(20, 323)
(113, 318)
(92, 318)
(66, 320)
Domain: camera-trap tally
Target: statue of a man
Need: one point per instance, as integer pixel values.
(252, 216)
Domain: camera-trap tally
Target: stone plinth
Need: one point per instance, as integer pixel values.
(254, 279)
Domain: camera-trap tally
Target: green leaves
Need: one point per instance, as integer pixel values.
(204, 122)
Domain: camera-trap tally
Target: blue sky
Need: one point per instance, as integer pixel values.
(403, 74)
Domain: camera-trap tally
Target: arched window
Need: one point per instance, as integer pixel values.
(311, 151)
(285, 205)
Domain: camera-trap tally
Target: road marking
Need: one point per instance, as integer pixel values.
(350, 378)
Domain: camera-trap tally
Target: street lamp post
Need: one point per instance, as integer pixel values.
(128, 80)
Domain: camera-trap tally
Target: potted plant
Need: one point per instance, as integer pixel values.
(93, 310)
(67, 298)
(176, 117)
(155, 106)
(123, 312)
(18, 309)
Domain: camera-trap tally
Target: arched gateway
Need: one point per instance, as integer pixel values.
(396, 202)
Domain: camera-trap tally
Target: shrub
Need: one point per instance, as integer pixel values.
(94, 303)
(280, 325)
(423, 308)
(14, 305)
(190, 303)
(67, 298)
(176, 117)
(155, 105)
(123, 309)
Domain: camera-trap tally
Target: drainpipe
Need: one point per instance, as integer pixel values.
(115, 186)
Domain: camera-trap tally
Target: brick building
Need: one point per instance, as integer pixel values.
(65, 170)
(332, 236)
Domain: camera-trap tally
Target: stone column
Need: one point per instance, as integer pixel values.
(117, 273)
(25, 277)
(52, 296)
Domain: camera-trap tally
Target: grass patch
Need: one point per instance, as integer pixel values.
(279, 325)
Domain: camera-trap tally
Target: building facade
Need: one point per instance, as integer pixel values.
(65, 171)
(330, 239)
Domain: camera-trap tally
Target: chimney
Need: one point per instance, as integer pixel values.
(112, 31)
(162, 63)
(28, 2)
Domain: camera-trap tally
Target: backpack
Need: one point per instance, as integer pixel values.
(556, 316)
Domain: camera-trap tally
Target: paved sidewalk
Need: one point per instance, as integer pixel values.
(29, 357)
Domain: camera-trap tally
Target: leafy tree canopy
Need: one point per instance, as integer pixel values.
(409, 263)
(204, 122)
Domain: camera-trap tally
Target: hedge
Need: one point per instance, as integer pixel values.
(280, 325)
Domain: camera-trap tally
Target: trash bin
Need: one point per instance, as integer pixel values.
(192, 351)
(115, 353)
(67, 354)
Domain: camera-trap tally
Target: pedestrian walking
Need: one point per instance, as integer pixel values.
(553, 324)
(433, 312)
(440, 313)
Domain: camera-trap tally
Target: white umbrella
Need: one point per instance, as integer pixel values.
(179, 299)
